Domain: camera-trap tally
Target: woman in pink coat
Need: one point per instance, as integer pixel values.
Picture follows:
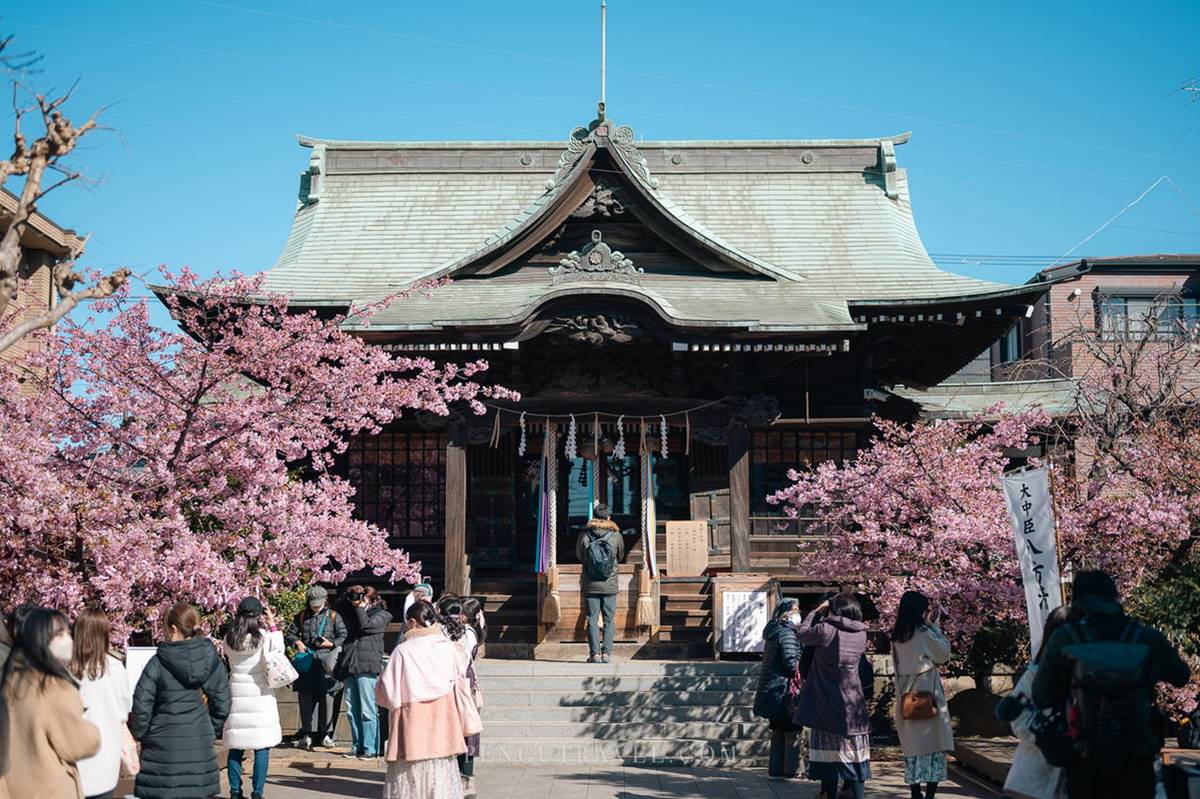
(425, 733)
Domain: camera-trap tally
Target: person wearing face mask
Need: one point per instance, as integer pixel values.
(47, 732)
(180, 705)
(781, 658)
(320, 630)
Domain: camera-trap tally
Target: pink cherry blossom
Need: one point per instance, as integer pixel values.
(141, 466)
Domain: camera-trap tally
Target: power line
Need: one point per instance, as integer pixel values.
(699, 84)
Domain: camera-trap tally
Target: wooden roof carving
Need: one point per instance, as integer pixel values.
(598, 261)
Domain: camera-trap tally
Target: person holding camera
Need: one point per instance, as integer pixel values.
(318, 629)
(922, 716)
(360, 666)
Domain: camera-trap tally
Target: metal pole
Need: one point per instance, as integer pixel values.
(603, 46)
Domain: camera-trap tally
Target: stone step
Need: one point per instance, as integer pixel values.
(615, 715)
(626, 731)
(593, 683)
(552, 698)
(548, 669)
(647, 752)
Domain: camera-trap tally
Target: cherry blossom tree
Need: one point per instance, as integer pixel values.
(141, 466)
(921, 508)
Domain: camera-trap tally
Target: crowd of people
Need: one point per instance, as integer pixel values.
(1082, 711)
(70, 725)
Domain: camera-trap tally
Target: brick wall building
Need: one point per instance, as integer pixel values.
(1102, 298)
(43, 245)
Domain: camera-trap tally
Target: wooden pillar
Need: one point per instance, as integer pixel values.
(739, 498)
(456, 514)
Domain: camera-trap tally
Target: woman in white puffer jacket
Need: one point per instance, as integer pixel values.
(253, 721)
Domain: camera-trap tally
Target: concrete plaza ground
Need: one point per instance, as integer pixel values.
(297, 775)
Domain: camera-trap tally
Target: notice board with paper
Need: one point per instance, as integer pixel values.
(742, 605)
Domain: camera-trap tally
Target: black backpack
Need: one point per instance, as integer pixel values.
(1109, 713)
(600, 559)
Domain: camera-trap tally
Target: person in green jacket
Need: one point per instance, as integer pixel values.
(1100, 618)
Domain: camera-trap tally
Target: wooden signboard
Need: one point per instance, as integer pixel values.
(687, 548)
(742, 605)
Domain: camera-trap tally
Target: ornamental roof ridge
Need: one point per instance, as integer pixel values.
(601, 133)
(649, 144)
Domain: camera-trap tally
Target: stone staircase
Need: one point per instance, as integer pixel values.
(628, 712)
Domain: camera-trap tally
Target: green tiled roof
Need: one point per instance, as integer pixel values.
(829, 222)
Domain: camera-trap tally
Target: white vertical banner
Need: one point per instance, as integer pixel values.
(1027, 493)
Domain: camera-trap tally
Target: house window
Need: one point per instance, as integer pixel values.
(1147, 316)
(400, 482)
(1010, 344)
(772, 454)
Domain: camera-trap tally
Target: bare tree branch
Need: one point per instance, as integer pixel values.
(32, 159)
(104, 287)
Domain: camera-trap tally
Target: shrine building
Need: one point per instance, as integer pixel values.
(685, 321)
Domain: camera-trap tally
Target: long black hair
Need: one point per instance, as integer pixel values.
(31, 647)
(473, 610)
(909, 616)
(451, 610)
(245, 632)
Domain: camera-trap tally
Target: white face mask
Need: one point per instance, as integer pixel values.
(795, 619)
(316, 604)
(62, 647)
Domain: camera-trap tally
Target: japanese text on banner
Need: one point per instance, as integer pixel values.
(1028, 496)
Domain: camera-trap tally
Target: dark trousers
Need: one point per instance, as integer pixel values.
(1134, 781)
(597, 604)
(319, 713)
(785, 754)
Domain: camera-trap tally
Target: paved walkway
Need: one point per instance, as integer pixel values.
(315, 776)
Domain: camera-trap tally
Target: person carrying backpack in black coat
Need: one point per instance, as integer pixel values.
(1101, 670)
(600, 548)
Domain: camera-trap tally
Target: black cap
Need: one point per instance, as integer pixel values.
(250, 606)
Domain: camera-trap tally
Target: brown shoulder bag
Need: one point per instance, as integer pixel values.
(916, 705)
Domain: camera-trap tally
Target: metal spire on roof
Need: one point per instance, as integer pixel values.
(603, 56)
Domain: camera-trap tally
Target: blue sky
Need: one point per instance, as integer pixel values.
(1033, 122)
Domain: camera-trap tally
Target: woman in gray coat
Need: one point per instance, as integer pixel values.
(918, 648)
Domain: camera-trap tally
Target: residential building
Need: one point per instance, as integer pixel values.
(43, 245)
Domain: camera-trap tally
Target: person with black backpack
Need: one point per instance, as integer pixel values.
(1101, 671)
(600, 548)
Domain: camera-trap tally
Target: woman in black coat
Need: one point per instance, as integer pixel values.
(781, 655)
(170, 716)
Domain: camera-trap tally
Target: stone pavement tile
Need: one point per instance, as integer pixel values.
(314, 776)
